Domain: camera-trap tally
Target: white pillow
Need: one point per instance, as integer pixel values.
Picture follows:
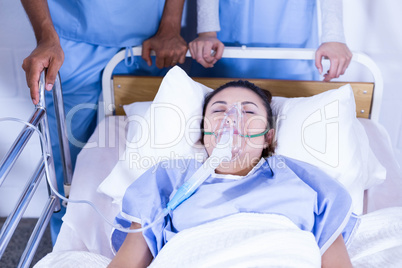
(169, 129)
(323, 130)
(135, 113)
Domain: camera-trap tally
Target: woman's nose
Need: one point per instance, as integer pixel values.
(230, 120)
(232, 116)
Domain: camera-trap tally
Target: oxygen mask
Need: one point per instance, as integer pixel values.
(233, 131)
(230, 131)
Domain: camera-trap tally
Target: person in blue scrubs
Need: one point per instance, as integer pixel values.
(77, 39)
(270, 23)
(307, 196)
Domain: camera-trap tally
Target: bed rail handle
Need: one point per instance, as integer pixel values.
(45, 167)
(37, 233)
(12, 155)
(19, 144)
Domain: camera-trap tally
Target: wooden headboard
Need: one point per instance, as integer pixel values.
(128, 89)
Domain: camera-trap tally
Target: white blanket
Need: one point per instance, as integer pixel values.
(242, 240)
(73, 259)
(378, 240)
(258, 240)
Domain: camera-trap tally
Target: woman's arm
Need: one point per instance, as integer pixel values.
(333, 44)
(336, 255)
(207, 26)
(134, 251)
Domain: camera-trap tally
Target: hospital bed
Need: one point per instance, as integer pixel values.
(103, 167)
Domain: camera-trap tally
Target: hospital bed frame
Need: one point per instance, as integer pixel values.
(120, 90)
(38, 119)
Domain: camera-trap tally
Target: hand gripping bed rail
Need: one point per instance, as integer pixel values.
(252, 53)
(39, 120)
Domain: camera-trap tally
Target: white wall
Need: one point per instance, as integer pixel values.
(16, 42)
(370, 26)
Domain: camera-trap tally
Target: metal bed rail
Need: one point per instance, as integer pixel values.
(250, 53)
(38, 119)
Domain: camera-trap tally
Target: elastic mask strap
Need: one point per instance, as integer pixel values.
(210, 133)
(255, 135)
(245, 136)
(129, 50)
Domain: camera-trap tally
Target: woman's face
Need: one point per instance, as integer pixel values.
(254, 122)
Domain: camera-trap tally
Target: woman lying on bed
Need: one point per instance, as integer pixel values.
(255, 182)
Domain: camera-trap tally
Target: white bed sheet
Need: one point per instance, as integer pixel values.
(83, 229)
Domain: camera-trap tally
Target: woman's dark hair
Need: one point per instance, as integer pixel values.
(265, 96)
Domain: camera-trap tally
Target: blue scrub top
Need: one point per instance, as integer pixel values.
(277, 185)
(109, 23)
(269, 23)
(265, 23)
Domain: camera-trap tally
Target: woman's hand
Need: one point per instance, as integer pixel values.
(206, 49)
(47, 54)
(339, 56)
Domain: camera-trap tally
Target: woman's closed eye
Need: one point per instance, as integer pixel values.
(219, 111)
(224, 110)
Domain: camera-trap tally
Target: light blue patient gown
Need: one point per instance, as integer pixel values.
(91, 33)
(277, 185)
(265, 23)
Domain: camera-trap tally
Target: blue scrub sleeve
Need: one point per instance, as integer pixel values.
(147, 195)
(333, 213)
